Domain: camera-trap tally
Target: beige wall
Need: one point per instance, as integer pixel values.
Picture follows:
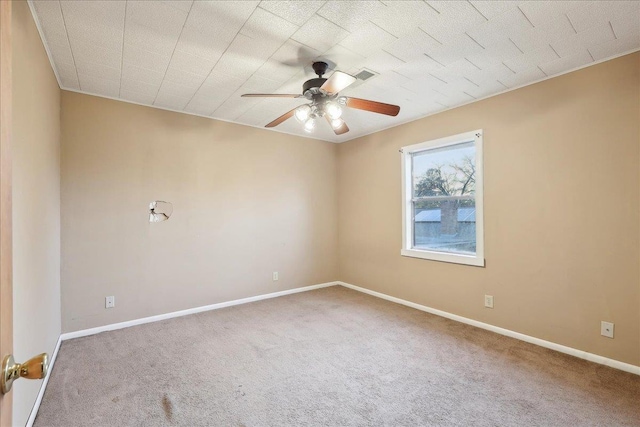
(36, 203)
(561, 204)
(246, 201)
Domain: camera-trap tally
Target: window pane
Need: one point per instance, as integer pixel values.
(445, 226)
(441, 199)
(447, 171)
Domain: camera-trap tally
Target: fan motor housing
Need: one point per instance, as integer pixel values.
(309, 84)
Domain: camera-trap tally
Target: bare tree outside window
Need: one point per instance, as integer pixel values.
(444, 182)
(442, 203)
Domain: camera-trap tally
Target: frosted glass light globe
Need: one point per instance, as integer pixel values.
(302, 113)
(333, 110)
(309, 125)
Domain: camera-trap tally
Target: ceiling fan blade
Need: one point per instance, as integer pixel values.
(303, 56)
(270, 95)
(373, 106)
(337, 82)
(281, 119)
(342, 129)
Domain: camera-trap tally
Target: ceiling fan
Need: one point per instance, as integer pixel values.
(325, 102)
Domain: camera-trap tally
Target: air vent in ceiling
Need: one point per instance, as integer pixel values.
(365, 75)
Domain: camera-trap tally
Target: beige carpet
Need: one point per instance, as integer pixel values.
(331, 357)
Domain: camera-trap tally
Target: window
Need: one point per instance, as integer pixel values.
(442, 199)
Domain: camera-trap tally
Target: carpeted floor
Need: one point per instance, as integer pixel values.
(330, 357)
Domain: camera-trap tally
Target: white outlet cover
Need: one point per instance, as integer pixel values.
(109, 302)
(275, 275)
(606, 329)
(488, 301)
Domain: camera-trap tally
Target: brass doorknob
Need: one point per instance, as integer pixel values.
(33, 369)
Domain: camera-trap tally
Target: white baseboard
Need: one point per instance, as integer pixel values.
(502, 331)
(121, 325)
(506, 332)
(522, 337)
(43, 386)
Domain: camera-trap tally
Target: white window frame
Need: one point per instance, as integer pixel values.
(407, 211)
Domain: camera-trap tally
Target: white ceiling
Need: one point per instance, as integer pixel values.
(199, 57)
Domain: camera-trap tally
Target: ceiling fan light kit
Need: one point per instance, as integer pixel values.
(336, 123)
(302, 113)
(308, 113)
(310, 125)
(333, 110)
(325, 102)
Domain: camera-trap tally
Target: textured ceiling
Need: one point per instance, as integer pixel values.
(199, 57)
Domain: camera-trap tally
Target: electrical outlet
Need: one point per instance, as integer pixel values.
(606, 329)
(275, 276)
(109, 302)
(488, 301)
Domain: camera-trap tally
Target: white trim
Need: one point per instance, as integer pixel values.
(43, 386)
(413, 119)
(502, 331)
(506, 332)
(150, 319)
(34, 15)
(157, 107)
(612, 363)
(55, 72)
(452, 258)
(445, 141)
(476, 137)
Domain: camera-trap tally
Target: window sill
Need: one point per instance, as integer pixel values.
(444, 257)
